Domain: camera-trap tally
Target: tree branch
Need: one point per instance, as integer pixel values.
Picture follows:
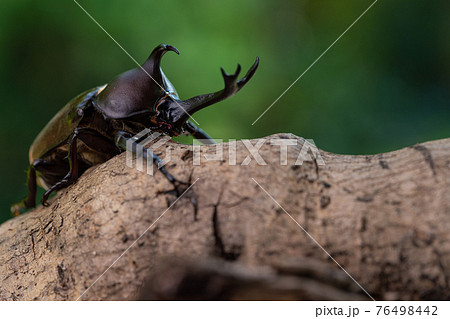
(384, 218)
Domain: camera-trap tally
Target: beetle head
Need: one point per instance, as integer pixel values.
(146, 92)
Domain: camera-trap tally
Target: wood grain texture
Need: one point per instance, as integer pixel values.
(385, 218)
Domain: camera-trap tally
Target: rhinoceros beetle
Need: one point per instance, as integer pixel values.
(96, 125)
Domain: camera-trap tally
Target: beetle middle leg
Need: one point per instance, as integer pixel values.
(72, 175)
(124, 140)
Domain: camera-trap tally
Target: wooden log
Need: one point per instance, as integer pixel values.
(384, 218)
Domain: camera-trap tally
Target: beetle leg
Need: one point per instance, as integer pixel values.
(198, 133)
(121, 142)
(72, 176)
(30, 200)
(96, 141)
(47, 168)
(40, 166)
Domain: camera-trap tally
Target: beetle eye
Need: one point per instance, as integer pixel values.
(159, 102)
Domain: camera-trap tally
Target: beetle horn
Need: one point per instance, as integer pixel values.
(232, 86)
(153, 64)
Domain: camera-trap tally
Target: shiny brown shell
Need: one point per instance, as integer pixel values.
(62, 125)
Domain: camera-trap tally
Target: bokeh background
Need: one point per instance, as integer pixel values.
(384, 85)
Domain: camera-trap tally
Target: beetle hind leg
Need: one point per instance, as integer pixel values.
(38, 166)
(30, 200)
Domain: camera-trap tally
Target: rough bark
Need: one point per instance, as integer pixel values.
(385, 218)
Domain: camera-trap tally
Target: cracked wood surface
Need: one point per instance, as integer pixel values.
(385, 218)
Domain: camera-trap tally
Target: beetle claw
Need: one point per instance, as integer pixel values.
(16, 209)
(180, 186)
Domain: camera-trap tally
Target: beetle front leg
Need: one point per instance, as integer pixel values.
(72, 176)
(198, 133)
(121, 140)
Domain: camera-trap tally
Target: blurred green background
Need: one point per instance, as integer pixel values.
(384, 85)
